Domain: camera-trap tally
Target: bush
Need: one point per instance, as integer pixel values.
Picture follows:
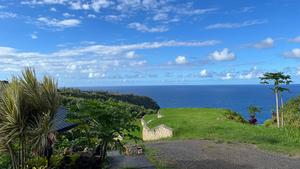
(235, 116)
(4, 161)
(269, 123)
(37, 162)
(291, 111)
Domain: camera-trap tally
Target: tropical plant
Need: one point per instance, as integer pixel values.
(253, 110)
(107, 123)
(278, 79)
(27, 107)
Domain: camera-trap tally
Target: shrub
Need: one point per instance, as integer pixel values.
(235, 116)
(4, 161)
(37, 162)
(269, 123)
(291, 111)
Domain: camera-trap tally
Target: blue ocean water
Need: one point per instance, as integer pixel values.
(235, 97)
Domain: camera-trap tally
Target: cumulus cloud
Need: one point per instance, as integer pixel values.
(181, 60)
(294, 53)
(56, 23)
(91, 16)
(224, 55)
(227, 76)
(236, 25)
(144, 28)
(67, 15)
(87, 61)
(98, 4)
(203, 73)
(266, 43)
(296, 39)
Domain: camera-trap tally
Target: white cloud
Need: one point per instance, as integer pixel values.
(160, 17)
(113, 18)
(2, 6)
(76, 5)
(181, 60)
(53, 9)
(266, 43)
(131, 55)
(98, 4)
(296, 39)
(88, 60)
(33, 36)
(65, 23)
(227, 76)
(224, 55)
(236, 25)
(203, 73)
(138, 63)
(91, 16)
(43, 2)
(67, 15)
(249, 75)
(4, 15)
(144, 28)
(294, 53)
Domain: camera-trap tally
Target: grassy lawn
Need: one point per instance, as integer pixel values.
(204, 123)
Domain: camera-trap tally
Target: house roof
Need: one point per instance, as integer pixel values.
(60, 124)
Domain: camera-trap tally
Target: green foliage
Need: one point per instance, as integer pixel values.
(252, 110)
(105, 124)
(143, 101)
(27, 107)
(204, 123)
(277, 78)
(235, 116)
(291, 112)
(5, 162)
(37, 162)
(269, 123)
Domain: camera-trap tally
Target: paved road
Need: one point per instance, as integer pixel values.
(119, 161)
(202, 154)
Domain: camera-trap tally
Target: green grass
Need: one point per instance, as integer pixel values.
(204, 123)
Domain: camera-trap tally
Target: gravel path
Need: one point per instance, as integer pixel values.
(203, 154)
(119, 161)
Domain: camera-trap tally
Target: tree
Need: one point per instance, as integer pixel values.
(27, 109)
(278, 79)
(281, 90)
(106, 122)
(252, 110)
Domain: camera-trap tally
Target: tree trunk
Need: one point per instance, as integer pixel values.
(282, 117)
(277, 111)
(12, 156)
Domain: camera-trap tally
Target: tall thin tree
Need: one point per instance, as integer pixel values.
(278, 79)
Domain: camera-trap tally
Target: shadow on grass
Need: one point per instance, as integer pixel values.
(265, 139)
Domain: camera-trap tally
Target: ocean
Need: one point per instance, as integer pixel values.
(234, 97)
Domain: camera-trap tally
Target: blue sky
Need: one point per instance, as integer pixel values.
(150, 42)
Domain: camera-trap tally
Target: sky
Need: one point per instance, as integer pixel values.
(150, 42)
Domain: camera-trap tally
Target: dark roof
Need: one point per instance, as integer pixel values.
(60, 124)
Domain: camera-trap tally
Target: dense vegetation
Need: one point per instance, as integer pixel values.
(202, 123)
(27, 136)
(291, 111)
(144, 101)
